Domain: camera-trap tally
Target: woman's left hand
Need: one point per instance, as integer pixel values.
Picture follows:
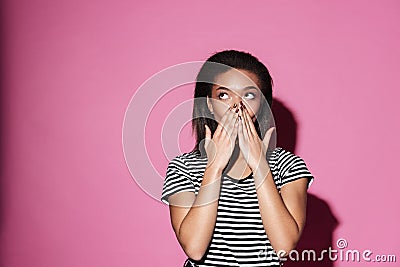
(253, 148)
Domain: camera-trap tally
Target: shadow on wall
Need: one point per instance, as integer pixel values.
(3, 114)
(321, 223)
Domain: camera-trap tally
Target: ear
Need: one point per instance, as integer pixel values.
(210, 107)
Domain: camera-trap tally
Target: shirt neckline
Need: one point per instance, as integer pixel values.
(238, 180)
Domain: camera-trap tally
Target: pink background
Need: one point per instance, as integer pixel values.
(70, 68)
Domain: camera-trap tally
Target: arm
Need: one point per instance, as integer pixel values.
(284, 214)
(193, 218)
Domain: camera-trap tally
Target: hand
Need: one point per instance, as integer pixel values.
(252, 147)
(219, 148)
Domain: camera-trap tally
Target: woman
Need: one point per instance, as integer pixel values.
(234, 200)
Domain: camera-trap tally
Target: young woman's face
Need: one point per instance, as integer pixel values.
(232, 87)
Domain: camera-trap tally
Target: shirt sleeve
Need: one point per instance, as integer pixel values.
(177, 179)
(293, 167)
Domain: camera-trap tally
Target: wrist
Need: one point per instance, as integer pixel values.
(261, 169)
(261, 173)
(214, 169)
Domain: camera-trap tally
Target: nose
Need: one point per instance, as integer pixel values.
(236, 100)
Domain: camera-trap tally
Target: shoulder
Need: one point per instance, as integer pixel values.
(187, 160)
(284, 157)
(283, 152)
(290, 166)
(181, 174)
(188, 157)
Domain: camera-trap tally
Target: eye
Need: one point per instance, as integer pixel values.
(223, 95)
(250, 95)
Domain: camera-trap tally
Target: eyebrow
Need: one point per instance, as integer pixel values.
(246, 88)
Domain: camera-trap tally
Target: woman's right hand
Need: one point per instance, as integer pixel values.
(219, 148)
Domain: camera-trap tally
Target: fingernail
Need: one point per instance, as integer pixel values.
(234, 105)
(237, 110)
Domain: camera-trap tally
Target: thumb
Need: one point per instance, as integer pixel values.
(208, 134)
(267, 136)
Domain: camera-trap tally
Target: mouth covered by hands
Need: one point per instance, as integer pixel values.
(236, 123)
(252, 147)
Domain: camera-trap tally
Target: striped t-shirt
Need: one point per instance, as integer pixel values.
(239, 238)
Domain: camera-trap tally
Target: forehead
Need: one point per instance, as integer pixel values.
(235, 79)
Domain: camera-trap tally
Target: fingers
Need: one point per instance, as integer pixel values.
(231, 124)
(221, 124)
(235, 130)
(241, 130)
(245, 127)
(251, 129)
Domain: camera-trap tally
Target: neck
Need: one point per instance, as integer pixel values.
(238, 166)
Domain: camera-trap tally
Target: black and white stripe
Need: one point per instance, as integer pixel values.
(239, 238)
